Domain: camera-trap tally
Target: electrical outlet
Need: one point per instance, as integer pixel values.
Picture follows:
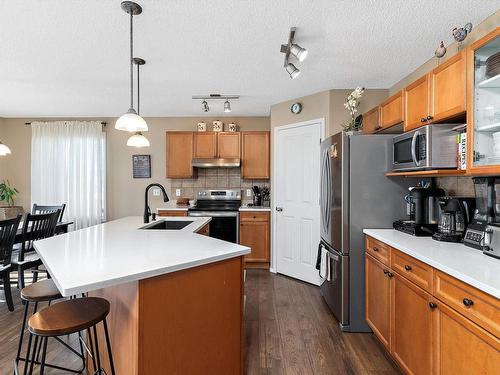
(249, 192)
(156, 192)
(177, 192)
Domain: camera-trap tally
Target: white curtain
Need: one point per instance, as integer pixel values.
(68, 161)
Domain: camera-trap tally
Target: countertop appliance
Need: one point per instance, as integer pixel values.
(425, 216)
(492, 241)
(428, 147)
(355, 194)
(487, 211)
(454, 216)
(222, 206)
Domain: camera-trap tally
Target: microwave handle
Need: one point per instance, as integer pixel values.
(413, 151)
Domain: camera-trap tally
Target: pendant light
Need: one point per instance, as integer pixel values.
(138, 139)
(131, 121)
(227, 106)
(4, 150)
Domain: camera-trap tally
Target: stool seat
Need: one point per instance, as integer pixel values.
(69, 316)
(45, 290)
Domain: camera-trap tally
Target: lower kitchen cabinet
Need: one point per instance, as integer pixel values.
(462, 347)
(378, 292)
(172, 213)
(411, 326)
(255, 233)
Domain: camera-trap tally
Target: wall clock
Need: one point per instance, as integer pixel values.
(296, 108)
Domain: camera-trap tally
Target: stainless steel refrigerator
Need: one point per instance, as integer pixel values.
(355, 194)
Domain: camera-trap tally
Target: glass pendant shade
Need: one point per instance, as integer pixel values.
(4, 150)
(131, 122)
(138, 140)
(227, 106)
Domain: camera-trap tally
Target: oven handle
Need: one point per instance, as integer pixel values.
(413, 151)
(213, 214)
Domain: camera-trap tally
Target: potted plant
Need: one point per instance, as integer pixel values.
(7, 194)
(355, 123)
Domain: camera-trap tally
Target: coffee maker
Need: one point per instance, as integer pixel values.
(487, 211)
(455, 214)
(424, 211)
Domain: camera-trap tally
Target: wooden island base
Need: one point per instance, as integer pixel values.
(185, 322)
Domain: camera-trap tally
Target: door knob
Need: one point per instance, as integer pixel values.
(279, 209)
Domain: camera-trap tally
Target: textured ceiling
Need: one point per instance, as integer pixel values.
(70, 58)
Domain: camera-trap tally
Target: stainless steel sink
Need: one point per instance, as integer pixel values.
(168, 224)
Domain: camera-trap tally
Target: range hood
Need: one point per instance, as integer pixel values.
(216, 163)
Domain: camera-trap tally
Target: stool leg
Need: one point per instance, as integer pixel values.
(80, 338)
(26, 360)
(108, 344)
(21, 335)
(97, 350)
(44, 353)
(92, 349)
(32, 363)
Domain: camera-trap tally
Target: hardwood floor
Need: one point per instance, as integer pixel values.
(289, 330)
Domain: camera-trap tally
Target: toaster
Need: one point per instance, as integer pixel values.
(492, 241)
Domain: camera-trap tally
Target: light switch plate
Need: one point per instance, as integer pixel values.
(177, 192)
(249, 192)
(156, 192)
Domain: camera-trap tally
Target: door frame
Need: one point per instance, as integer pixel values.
(274, 134)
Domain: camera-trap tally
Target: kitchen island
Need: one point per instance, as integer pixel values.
(176, 296)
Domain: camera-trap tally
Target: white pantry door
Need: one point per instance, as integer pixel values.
(297, 212)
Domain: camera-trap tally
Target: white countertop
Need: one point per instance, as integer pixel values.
(464, 263)
(118, 252)
(254, 208)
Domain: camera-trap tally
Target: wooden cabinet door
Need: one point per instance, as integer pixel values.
(205, 145)
(378, 292)
(255, 155)
(179, 155)
(411, 327)
(448, 88)
(172, 213)
(228, 145)
(255, 234)
(462, 347)
(391, 111)
(417, 103)
(371, 121)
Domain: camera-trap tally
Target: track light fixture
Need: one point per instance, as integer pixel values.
(226, 98)
(296, 51)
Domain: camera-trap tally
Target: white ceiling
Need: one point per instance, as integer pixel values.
(70, 58)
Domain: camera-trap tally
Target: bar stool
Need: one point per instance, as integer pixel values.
(42, 291)
(65, 318)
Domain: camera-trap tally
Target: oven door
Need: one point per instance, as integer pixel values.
(410, 150)
(225, 225)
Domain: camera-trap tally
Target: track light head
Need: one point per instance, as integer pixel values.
(292, 70)
(204, 106)
(299, 52)
(227, 106)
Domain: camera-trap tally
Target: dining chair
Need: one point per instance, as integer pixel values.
(35, 227)
(8, 230)
(42, 209)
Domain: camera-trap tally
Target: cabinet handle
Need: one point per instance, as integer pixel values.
(429, 117)
(432, 305)
(386, 272)
(468, 302)
(422, 119)
(390, 274)
(407, 267)
(375, 249)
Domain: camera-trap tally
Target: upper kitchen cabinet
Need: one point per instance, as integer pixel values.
(229, 145)
(392, 111)
(483, 106)
(417, 103)
(205, 145)
(448, 83)
(255, 155)
(371, 121)
(180, 155)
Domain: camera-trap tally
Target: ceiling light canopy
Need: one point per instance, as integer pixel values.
(138, 140)
(294, 50)
(4, 150)
(131, 121)
(226, 98)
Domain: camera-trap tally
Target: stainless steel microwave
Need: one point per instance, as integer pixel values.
(428, 147)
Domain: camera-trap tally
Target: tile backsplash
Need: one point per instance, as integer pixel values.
(456, 186)
(215, 178)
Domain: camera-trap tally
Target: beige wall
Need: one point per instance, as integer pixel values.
(125, 194)
(477, 32)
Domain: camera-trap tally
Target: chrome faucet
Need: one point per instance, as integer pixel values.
(147, 211)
